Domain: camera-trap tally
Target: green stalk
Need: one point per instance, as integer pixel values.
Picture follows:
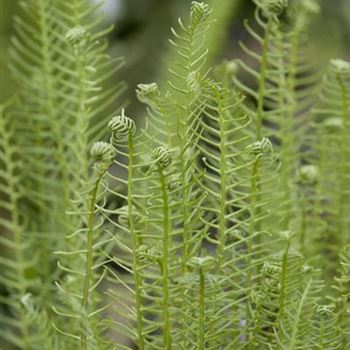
(344, 151)
(251, 231)
(298, 317)
(255, 199)
(283, 281)
(50, 109)
(223, 185)
(17, 235)
(135, 244)
(322, 335)
(82, 111)
(290, 154)
(262, 80)
(60, 151)
(89, 261)
(201, 330)
(185, 211)
(165, 239)
(286, 129)
(303, 225)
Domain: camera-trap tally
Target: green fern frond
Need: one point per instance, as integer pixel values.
(330, 156)
(284, 303)
(82, 277)
(20, 275)
(278, 109)
(59, 120)
(341, 300)
(59, 61)
(326, 332)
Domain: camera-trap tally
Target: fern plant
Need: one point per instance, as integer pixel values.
(58, 60)
(208, 227)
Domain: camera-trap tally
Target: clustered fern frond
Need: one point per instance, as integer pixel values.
(209, 227)
(60, 64)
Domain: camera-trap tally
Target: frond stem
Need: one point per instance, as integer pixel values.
(135, 244)
(89, 261)
(344, 169)
(262, 80)
(201, 330)
(164, 263)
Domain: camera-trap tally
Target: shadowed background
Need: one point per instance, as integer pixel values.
(142, 27)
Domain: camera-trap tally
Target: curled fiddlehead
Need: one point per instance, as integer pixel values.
(261, 148)
(341, 68)
(147, 93)
(162, 157)
(121, 127)
(325, 333)
(274, 7)
(103, 154)
(77, 37)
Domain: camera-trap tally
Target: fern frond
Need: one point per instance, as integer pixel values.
(19, 265)
(341, 300)
(330, 156)
(278, 109)
(326, 333)
(59, 61)
(64, 94)
(82, 274)
(284, 304)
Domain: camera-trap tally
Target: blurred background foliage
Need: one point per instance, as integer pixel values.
(142, 27)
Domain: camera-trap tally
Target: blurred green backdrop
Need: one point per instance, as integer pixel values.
(141, 29)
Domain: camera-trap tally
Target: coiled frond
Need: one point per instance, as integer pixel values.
(162, 157)
(120, 127)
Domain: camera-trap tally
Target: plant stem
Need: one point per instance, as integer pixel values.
(223, 184)
(135, 243)
(303, 224)
(185, 211)
(166, 231)
(251, 230)
(283, 281)
(344, 169)
(322, 335)
(17, 233)
(201, 310)
(298, 317)
(262, 81)
(89, 261)
(254, 226)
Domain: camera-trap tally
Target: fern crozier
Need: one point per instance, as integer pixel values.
(199, 11)
(147, 92)
(262, 147)
(308, 174)
(162, 157)
(121, 127)
(77, 37)
(340, 67)
(202, 263)
(325, 310)
(103, 154)
(275, 7)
